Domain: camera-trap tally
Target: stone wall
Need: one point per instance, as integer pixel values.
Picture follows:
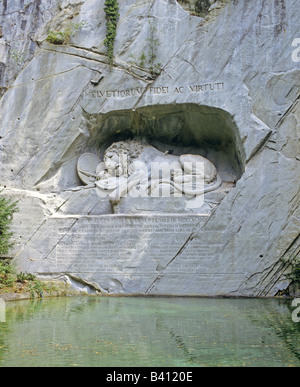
(227, 83)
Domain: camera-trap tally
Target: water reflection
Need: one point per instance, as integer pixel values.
(145, 332)
(287, 330)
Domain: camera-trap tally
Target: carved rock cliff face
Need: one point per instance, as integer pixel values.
(224, 85)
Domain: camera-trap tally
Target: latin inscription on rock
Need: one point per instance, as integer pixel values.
(135, 245)
(204, 87)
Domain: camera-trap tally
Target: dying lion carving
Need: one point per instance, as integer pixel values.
(131, 167)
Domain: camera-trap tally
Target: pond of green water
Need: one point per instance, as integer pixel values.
(149, 332)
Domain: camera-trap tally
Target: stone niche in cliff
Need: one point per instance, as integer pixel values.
(158, 144)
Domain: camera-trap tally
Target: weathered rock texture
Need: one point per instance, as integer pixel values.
(226, 84)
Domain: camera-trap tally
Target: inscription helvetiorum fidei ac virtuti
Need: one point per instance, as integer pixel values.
(173, 170)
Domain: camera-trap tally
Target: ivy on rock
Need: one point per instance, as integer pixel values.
(7, 209)
(112, 14)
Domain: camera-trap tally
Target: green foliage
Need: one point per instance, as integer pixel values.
(5, 267)
(201, 7)
(154, 43)
(33, 285)
(148, 59)
(142, 59)
(23, 277)
(17, 56)
(7, 210)
(64, 37)
(37, 288)
(112, 14)
(56, 37)
(21, 282)
(6, 270)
